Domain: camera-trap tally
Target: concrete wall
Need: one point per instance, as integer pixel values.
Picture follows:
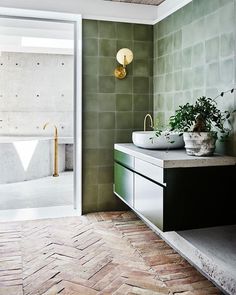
(34, 89)
(194, 55)
(112, 108)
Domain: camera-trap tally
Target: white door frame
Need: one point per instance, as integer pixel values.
(76, 19)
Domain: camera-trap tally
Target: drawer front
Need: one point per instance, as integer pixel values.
(149, 170)
(124, 181)
(148, 200)
(124, 158)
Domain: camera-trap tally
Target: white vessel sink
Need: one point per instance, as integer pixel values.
(149, 140)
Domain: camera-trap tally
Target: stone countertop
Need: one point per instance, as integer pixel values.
(174, 158)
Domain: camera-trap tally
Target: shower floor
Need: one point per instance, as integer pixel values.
(42, 192)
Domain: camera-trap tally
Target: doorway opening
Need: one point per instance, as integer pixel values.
(40, 114)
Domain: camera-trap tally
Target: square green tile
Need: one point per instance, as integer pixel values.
(169, 63)
(106, 138)
(161, 65)
(177, 39)
(141, 102)
(107, 29)
(90, 157)
(187, 79)
(227, 44)
(141, 85)
(159, 83)
(178, 80)
(90, 28)
(161, 47)
(160, 102)
(124, 102)
(105, 156)
(177, 60)
(90, 84)
(124, 31)
(106, 198)
(227, 18)
(90, 47)
(143, 49)
(90, 65)
(125, 85)
(187, 14)
(199, 29)
(199, 76)
(105, 174)
(90, 175)
(187, 57)
(107, 66)
(90, 102)
(169, 102)
(198, 54)
(106, 120)
(107, 47)
(123, 136)
(187, 36)
(212, 25)
(212, 48)
(178, 19)
(169, 82)
(90, 139)
(124, 44)
(143, 32)
(107, 102)
(124, 120)
(90, 120)
(212, 75)
(141, 67)
(106, 84)
(227, 71)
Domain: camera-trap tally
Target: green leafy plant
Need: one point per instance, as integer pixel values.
(202, 116)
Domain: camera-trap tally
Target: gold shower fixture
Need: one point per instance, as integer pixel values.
(124, 57)
(55, 173)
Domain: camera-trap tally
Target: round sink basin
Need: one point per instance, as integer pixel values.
(149, 140)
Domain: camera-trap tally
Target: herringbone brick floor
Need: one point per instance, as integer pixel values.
(100, 253)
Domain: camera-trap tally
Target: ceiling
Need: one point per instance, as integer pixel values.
(144, 2)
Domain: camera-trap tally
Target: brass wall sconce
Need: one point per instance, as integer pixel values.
(124, 57)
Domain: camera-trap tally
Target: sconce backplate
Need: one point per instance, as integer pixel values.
(120, 72)
(124, 56)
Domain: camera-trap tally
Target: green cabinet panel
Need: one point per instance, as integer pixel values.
(123, 185)
(124, 159)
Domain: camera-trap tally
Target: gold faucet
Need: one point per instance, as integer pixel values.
(55, 174)
(145, 119)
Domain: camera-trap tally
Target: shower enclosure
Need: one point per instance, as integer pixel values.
(38, 86)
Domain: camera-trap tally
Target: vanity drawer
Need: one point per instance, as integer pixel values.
(149, 170)
(124, 183)
(124, 159)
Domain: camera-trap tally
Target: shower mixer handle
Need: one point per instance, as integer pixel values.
(55, 173)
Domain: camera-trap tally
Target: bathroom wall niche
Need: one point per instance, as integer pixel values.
(36, 87)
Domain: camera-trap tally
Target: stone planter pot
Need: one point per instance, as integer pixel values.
(200, 143)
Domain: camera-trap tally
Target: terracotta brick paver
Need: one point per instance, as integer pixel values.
(96, 254)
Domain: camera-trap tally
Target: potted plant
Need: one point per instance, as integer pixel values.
(201, 124)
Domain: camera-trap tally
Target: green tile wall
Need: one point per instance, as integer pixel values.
(112, 108)
(194, 54)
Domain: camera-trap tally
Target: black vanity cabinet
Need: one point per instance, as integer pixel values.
(176, 198)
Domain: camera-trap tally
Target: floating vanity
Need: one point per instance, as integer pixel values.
(174, 191)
